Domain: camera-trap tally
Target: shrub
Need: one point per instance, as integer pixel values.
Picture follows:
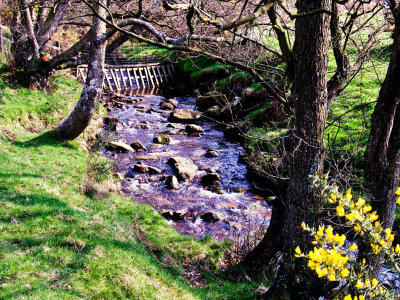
(335, 258)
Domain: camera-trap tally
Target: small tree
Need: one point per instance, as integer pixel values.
(83, 112)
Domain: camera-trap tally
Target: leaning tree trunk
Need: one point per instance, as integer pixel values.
(384, 140)
(383, 147)
(84, 110)
(310, 98)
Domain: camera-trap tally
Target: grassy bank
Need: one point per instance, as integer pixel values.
(58, 243)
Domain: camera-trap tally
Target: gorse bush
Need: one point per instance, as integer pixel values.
(335, 258)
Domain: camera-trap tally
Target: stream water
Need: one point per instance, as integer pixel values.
(229, 210)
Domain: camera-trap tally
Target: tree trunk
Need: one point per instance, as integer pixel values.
(384, 140)
(83, 112)
(383, 146)
(310, 97)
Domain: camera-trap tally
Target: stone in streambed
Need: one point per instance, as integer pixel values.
(213, 112)
(138, 146)
(154, 170)
(178, 215)
(211, 217)
(210, 99)
(183, 167)
(211, 153)
(184, 115)
(166, 106)
(191, 128)
(211, 179)
(174, 102)
(141, 168)
(142, 126)
(120, 146)
(162, 139)
(172, 183)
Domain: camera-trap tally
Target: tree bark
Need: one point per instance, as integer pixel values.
(83, 112)
(384, 141)
(310, 97)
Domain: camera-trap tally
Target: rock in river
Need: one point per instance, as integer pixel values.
(211, 153)
(172, 183)
(138, 146)
(210, 179)
(166, 106)
(120, 146)
(184, 168)
(141, 167)
(191, 128)
(162, 139)
(173, 102)
(184, 115)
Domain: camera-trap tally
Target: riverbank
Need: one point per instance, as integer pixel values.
(59, 241)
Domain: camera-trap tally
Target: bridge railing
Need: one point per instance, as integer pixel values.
(134, 76)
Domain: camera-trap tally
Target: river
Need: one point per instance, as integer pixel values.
(229, 209)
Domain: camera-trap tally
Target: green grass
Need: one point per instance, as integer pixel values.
(57, 243)
(143, 51)
(349, 117)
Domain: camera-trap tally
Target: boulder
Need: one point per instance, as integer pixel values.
(178, 215)
(183, 167)
(142, 126)
(120, 146)
(175, 126)
(191, 128)
(166, 106)
(211, 217)
(154, 170)
(141, 168)
(184, 115)
(210, 99)
(172, 183)
(162, 139)
(242, 157)
(211, 179)
(211, 153)
(173, 102)
(213, 112)
(234, 133)
(138, 146)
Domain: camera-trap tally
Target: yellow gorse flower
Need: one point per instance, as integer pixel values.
(329, 256)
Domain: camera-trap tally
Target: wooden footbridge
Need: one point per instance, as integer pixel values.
(125, 75)
(132, 77)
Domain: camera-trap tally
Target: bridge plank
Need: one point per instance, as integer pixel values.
(153, 68)
(171, 73)
(159, 74)
(147, 76)
(136, 78)
(130, 77)
(150, 76)
(141, 76)
(123, 77)
(105, 71)
(165, 73)
(115, 80)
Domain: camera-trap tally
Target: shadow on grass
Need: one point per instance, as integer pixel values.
(49, 138)
(63, 231)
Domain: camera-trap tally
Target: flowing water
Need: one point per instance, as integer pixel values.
(227, 211)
